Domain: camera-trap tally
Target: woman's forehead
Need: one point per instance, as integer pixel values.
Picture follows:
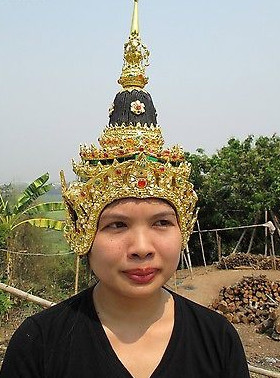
(122, 203)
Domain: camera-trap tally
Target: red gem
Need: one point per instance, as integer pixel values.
(142, 183)
(118, 171)
(141, 149)
(121, 152)
(174, 156)
(105, 154)
(161, 169)
(83, 194)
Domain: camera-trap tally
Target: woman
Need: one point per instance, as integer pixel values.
(131, 212)
(128, 325)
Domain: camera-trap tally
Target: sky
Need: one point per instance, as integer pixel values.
(214, 74)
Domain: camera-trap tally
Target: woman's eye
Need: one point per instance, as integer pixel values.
(163, 223)
(116, 225)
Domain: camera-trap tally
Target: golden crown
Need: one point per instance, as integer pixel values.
(131, 160)
(140, 177)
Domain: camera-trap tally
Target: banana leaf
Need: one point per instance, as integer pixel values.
(32, 192)
(44, 207)
(3, 205)
(3, 218)
(53, 224)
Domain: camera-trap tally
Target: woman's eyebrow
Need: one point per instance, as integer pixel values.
(166, 213)
(113, 216)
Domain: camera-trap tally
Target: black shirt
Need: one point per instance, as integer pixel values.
(68, 340)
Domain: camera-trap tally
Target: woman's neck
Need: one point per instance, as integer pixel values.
(113, 308)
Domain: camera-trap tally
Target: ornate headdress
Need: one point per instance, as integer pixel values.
(131, 160)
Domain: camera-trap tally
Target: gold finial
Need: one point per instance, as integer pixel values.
(135, 19)
(136, 56)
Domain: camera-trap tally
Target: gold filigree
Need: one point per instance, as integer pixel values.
(136, 57)
(139, 178)
(125, 141)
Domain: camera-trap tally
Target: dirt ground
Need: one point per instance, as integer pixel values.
(203, 287)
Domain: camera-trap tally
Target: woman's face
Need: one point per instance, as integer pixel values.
(137, 246)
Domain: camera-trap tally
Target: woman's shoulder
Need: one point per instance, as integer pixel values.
(196, 312)
(48, 332)
(61, 313)
(200, 320)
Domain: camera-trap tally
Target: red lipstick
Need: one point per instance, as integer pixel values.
(141, 276)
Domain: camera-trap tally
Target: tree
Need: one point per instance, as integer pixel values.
(243, 181)
(236, 185)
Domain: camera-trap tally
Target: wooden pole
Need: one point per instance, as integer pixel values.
(9, 256)
(24, 295)
(267, 373)
(77, 274)
(201, 243)
(265, 233)
(239, 241)
(219, 246)
(276, 222)
(252, 237)
(9, 267)
(182, 265)
(189, 260)
(186, 262)
(273, 251)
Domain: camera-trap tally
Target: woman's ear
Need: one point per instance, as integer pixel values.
(92, 278)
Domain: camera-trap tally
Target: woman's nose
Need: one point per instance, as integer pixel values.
(141, 245)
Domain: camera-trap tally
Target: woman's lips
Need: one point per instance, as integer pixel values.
(141, 275)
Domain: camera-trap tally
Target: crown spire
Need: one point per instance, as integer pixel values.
(136, 57)
(135, 19)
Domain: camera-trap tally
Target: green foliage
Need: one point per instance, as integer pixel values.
(22, 211)
(44, 223)
(200, 165)
(236, 185)
(32, 192)
(38, 266)
(5, 303)
(243, 180)
(4, 233)
(44, 207)
(17, 213)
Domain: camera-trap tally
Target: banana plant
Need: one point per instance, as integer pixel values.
(24, 210)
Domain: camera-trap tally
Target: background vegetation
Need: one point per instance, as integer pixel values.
(235, 187)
